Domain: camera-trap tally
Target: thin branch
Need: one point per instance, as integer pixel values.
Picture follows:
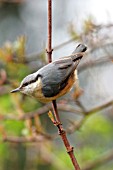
(62, 133)
(39, 111)
(61, 107)
(74, 38)
(81, 106)
(22, 139)
(58, 122)
(103, 159)
(75, 125)
(99, 108)
(49, 43)
(37, 136)
(95, 63)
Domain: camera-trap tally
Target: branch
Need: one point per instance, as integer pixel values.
(61, 107)
(99, 108)
(76, 125)
(62, 133)
(58, 122)
(74, 38)
(49, 43)
(37, 136)
(100, 161)
(44, 109)
(22, 139)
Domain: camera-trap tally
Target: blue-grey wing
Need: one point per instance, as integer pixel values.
(56, 74)
(55, 79)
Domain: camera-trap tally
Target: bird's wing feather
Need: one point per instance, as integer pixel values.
(56, 78)
(59, 71)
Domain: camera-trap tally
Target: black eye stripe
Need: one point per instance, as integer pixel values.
(25, 84)
(32, 81)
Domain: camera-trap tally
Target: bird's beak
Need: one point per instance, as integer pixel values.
(15, 90)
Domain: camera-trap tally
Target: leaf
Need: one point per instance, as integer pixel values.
(50, 114)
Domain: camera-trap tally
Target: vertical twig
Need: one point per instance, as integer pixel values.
(49, 43)
(62, 133)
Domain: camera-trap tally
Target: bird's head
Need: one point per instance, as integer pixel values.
(28, 84)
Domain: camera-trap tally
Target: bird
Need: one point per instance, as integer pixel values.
(54, 79)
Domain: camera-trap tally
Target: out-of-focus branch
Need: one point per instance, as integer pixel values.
(22, 139)
(76, 125)
(3, 76)
(37, 136)
(99, 108)
(39, 111)
(12, 1)
(95, 63)
(81, 106)
(61, 107)
(74, 38)
(4, 90)
(103, 159)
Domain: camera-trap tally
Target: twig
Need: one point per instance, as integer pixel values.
(75, 125)
(81, 106)
(105, 158)
(39, 111)
(101, 107)
(74, 38)
(62, 133)
(22, 139)
(61, 107)
(49, 43)
(57, 118)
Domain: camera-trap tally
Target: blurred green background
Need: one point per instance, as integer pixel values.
(86, 112)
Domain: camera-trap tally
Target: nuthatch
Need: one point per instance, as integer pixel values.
(54, 79)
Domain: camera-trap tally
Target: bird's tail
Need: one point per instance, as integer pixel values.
(75, 57)
(77, 54)
(80, 48)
